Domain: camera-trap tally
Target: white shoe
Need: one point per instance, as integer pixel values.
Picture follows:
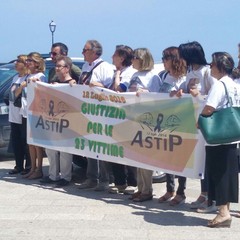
(199, 202)
(117, 189)
(129, 190)
(207, 209)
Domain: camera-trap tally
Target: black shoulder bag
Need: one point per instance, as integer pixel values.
(18, 100)
(86, 76)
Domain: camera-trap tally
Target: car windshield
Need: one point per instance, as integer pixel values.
(6, 72)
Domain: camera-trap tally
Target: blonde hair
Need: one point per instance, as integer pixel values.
(146, 59)
(22, 58)
(39, 60)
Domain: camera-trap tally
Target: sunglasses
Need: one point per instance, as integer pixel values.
(166, 58)
(85, 50)
(20, 61)
(212, 64)
(53, 53)
(135, 57)
(30, 60)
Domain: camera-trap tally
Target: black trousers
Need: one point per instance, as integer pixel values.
(19, 144)
(170, 181)
(124, 174)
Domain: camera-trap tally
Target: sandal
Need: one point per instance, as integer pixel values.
(237, 215)
(36, 175)
(177, 200)
(28, 174)
(166, 197)
(143, 197)
(223, 224)
(201, 199)
(135, 195)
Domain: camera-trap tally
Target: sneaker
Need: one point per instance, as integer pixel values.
(117, 189)
(47, 180)
(207, 209)
(102, 186)
(14, 171)
(198, 203)
(88, 184)
(62, 183)
(129, 190)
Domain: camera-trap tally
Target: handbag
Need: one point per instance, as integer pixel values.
(223, 126)
(18, 101)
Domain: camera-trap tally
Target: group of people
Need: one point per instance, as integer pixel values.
(186, 72)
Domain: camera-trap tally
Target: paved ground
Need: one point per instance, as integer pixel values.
(30, 211)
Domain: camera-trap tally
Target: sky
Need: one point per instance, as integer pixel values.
(154, 24)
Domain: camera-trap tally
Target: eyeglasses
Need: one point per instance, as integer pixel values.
(85, 50)
(60, 66)
(53, 53)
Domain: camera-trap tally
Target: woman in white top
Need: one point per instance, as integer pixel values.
(18, 123)
(221, 160)
(173, 78)
(36, 66)
(125, 177)
(198, 83)
(122, 59)
(144, 79)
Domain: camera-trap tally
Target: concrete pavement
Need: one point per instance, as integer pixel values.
(31, 211)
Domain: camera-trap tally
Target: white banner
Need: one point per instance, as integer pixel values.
(152, 131)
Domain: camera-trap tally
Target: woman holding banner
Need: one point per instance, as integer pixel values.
(173, 79)
(198, 83)
(125, 177)
(36, 66)
(144, 79)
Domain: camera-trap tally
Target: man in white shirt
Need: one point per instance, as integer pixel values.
(96, 72)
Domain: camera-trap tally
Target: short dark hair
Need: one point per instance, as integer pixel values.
(63, 48)
(126, 52)
(96, 46)
(192, 53)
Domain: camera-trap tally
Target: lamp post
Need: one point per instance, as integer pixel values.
(52, 27)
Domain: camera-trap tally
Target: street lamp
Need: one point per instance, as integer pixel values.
(52, 27)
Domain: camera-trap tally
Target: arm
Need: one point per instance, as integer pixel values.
(208, 110)
(96, 84)
(117, 80)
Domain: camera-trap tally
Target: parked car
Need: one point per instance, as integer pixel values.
(7, 72)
